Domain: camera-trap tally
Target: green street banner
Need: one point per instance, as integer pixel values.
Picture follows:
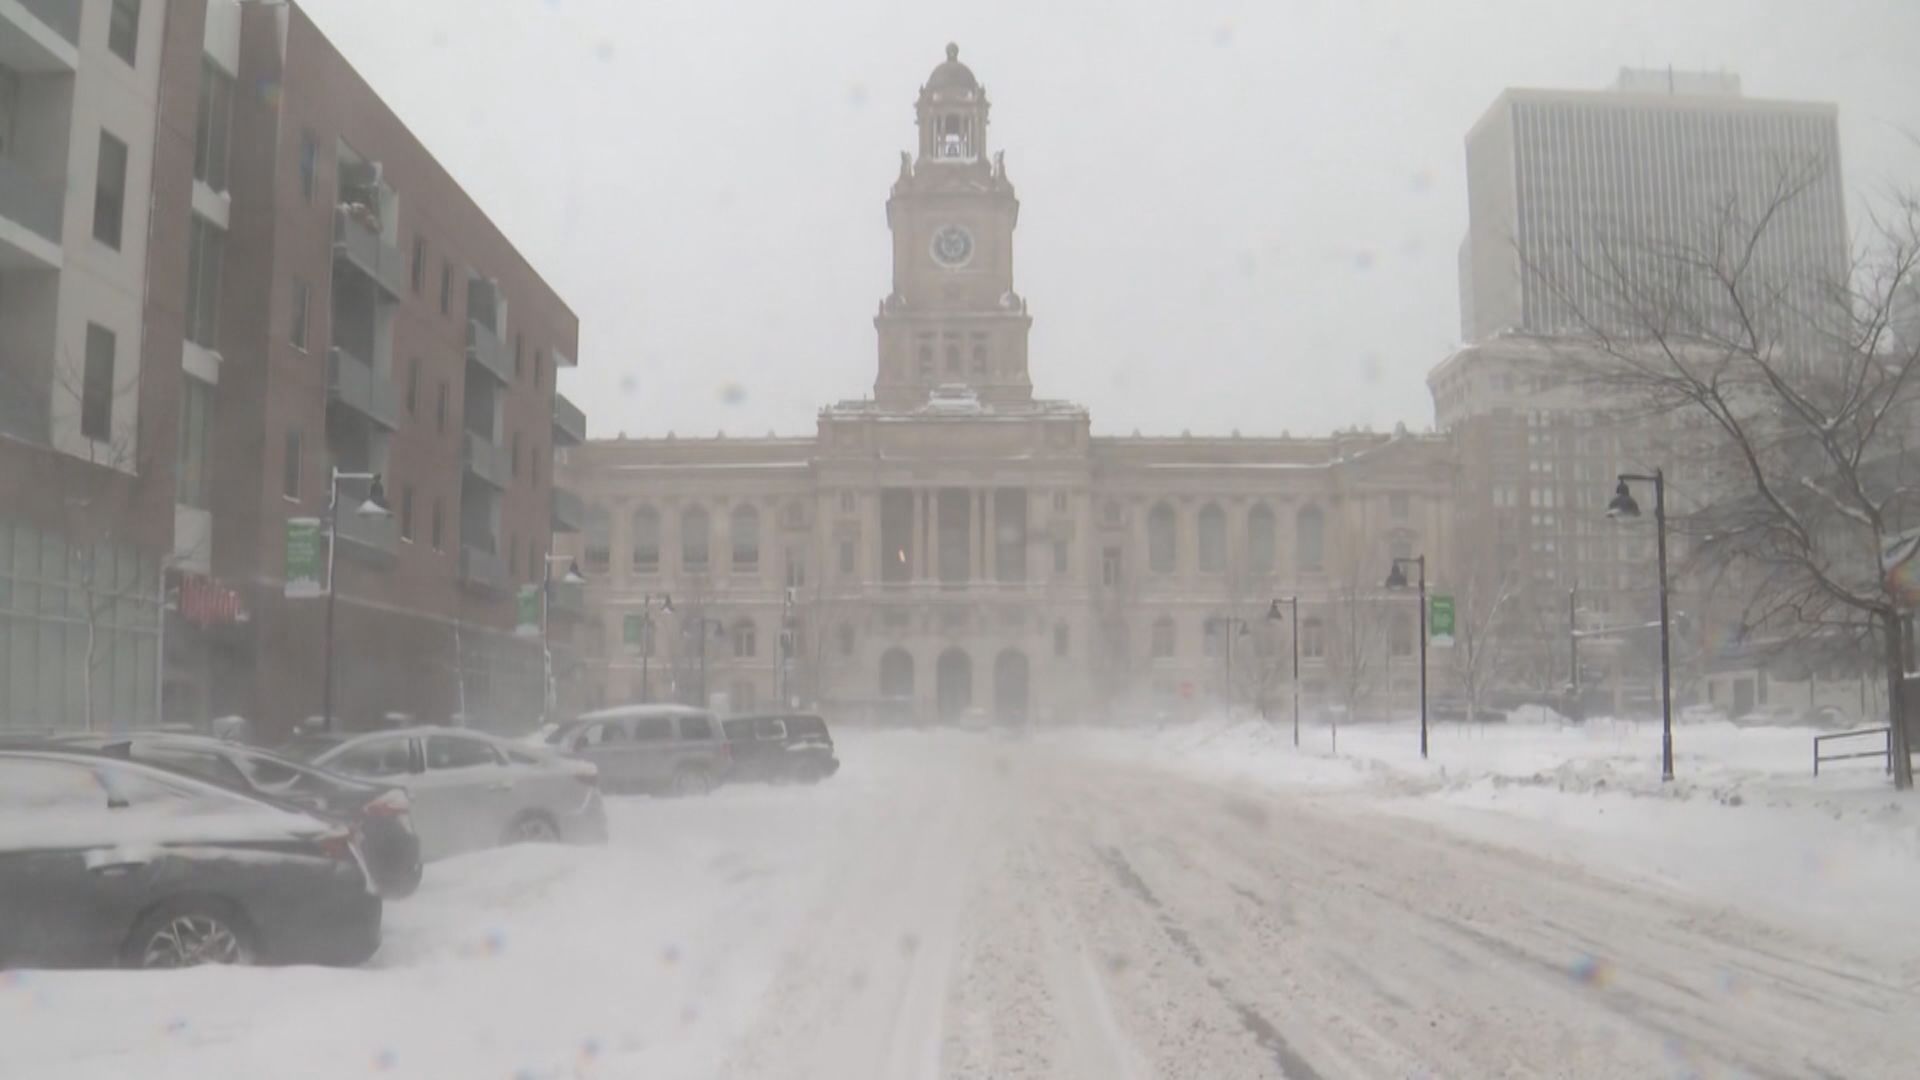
(529, 620)
(1440, 620)
(303, 557)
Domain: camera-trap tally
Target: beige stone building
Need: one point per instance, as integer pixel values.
(953, 542)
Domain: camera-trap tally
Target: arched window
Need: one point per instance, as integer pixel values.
(1400, 545)
(1213, 636)
(1161, 539)
(953, 359)
(1313, 639)
(745, 639)
(926, 361)
(979, 359)
(1213, 539)
(745, 530)
(1163, 638)
(1260, 545)
(599, 540)
(646, 540)
(1310, 539)
(693, 539)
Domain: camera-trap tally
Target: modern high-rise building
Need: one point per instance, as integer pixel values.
(1564, 185)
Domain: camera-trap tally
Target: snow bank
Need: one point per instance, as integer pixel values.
(1744, 822)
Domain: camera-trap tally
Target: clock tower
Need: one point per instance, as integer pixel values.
(952, 319)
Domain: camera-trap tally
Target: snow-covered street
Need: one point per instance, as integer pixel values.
(957, 905)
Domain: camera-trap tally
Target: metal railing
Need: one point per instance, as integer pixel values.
(365, 248)
(1885, 732)
(61, 16)
(353, 382)
(569, 510)
(483, 568)
(569, 421)
(26, 199)
(485, 348)
(486, 459)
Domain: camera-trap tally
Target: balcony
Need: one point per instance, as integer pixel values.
(569, 511)
(487, 460)
(483, 569)
(352, 382)
(30, 213)
(360, 243)
(569, 423)
(485, 348)
(567, 600)
(373, 539)
(39, 37)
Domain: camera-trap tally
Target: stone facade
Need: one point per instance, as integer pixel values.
(955, 543)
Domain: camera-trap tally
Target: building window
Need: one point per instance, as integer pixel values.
(514, 454)
(513, 558)
(213, 120)
(109, 190)
(745, 529)
(1313, 639)
(446, 287)
(419, 264)
(413, 386)
(1260, 540)
(290, 466)
(206, 252)
(1060, 640)
(1110, 567)
(1397, 507)
(196, 409)
(519, 352)
(309, 163)
(1213, 539)
(297, 333)
(693, 539)
(1163, 638)
(745, 642)
(1310, 540)
(123, 29)
(846, 557)
(599, 540)
(1161, 539)
(846, 502)
(742, 699)
(1059, 556)
(796, 568)
(646, 540)
(1400, 547)
(439, 522)
(953, 359)
(1402, 637)
(845, 634)
(406, 513)
(979, 359)
(539, 367)
(96, 385)
(440, 409)
(1213, 636)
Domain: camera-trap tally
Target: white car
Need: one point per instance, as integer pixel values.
(471, 790)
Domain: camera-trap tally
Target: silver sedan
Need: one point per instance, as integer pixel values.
(472, 790)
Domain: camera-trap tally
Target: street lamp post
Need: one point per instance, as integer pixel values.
(1624, 506)
(646, 641)
(1397, 579)
(374, 506)
(571, 577)
(1273, 616)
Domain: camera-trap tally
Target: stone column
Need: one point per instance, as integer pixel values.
(933, 534)
(974, 518)
(916, 538)
(992, 537)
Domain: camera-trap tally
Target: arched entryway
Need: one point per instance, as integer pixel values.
(896, 684)
(953, 684)
(1010, 689)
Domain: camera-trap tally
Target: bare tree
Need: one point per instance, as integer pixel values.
(1359, 627)
(1805, 398)
(1485, 629)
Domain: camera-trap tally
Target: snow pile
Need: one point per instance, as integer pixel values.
(1744, 821)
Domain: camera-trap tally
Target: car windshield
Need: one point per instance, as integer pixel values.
(858, 539)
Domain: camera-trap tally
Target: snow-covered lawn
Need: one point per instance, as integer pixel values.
(1744, 823)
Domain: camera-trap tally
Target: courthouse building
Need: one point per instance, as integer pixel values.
(954, 542)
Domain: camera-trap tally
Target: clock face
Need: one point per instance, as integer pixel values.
(952, 246)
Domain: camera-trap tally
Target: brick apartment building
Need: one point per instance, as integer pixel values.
(320, 294)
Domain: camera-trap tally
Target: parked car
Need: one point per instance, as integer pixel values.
(653, 749)
(1455, 711)
(468, 789)
(783, 748)
(1777, 715)
(106, 861)
(380, 814)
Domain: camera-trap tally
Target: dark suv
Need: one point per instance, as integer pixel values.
(653, 749)
(781, 748)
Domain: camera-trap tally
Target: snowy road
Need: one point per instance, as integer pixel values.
(955, 906)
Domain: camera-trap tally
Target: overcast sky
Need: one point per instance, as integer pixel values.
(1233, 215)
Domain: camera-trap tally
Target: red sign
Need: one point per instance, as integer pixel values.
(1186, 691)
(205, 602)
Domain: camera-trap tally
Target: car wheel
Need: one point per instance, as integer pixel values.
(694, 781)
(404, 884)
(188, 933)
(532, 829)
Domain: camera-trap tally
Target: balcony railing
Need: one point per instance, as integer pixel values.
(569, 423)
(569, 511)
(483, 569)
(487, 460)
(361, 244)
(61, 16)
(352, 382)
(485, 348)
(376, 536)
(33, 205)
(569, 600)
